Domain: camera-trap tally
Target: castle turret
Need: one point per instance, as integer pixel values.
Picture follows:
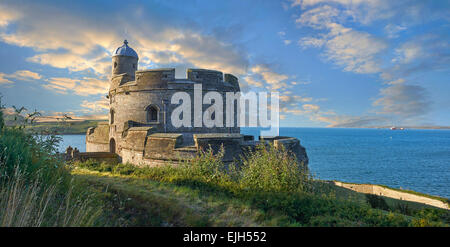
(125, 60)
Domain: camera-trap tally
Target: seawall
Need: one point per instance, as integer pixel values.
(383, 191)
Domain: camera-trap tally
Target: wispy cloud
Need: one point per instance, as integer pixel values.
(4, 80)
(20, 75)
(353, 50)
(403, 101)
(84, 86)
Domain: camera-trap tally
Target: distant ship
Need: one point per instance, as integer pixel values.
(395, 128)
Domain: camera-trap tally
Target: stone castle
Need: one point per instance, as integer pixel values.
(140, 130)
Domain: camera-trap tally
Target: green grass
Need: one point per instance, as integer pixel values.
(76, 127)
(212, 196)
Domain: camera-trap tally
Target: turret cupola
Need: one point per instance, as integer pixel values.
(125, 60)
(125, 50)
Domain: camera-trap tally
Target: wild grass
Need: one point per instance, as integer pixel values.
(36, 187)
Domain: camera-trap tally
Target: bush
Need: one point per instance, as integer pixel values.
(377, 202)
(273, 169)
(36, 188)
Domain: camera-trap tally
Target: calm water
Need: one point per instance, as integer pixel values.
(410, 159)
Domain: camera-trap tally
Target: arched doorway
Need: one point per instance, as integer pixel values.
(112, 145)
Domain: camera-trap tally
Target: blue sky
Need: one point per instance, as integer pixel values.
(338, 63)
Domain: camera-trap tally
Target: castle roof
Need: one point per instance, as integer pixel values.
(125, 50)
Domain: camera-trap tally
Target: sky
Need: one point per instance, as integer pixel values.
(336, 63)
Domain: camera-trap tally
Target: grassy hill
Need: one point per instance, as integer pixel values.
(73, 127)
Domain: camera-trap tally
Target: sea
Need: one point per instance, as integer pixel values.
(412, 159)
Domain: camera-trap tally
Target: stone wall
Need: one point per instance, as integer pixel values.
(231, 144)
(143, 147)
(97, 138)
(382, 191)
(124, 64)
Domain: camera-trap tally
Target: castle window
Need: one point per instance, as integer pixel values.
(112, 116)
(134, 65)
(115, 64)
(152, 113)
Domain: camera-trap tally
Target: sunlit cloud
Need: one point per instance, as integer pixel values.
(20, 75)
(84, 86)
(95, 106)
(4, 80)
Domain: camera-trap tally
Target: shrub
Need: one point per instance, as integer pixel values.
(376, 202)
(207, 166)
(36, 188)
(273, 169)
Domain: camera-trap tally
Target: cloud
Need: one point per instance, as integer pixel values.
(311, 107)
(249, 80)
(423, 53)
(403, 101)
(7, 15)
(268, 75)
(84, 86)
(72, 62)
(369, 11)
(79, 42)
(26, 75)
(4, 80)
(208, 52)
(365, 53)
(393, 30)
(95, 106)
(408, 52)
(354, 121)
(319, 17)
(353, 50)
(21, 75)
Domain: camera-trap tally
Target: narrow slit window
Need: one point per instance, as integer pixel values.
(152, 114)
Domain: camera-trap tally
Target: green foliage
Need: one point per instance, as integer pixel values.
(376, 202)
(33, 155)
(2, 120)
(273, 169)
(36, 188)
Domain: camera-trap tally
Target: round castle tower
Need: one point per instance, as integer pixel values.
(142, 98)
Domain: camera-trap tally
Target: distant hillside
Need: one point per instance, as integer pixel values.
(412, 127)
(63, 128)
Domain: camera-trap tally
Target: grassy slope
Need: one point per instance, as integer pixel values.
(138, 200)
(76, 127)
(142, 202)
